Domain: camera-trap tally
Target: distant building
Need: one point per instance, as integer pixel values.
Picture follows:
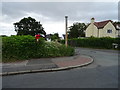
(102, 29)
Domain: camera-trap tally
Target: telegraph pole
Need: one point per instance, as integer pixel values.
(66, 35)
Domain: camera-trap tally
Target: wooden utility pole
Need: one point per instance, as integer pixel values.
(66, 35)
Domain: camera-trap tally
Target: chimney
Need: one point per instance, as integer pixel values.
(92, 20)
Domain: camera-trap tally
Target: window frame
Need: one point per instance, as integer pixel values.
(109, 31)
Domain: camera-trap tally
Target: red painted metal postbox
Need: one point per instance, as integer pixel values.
(37, 37)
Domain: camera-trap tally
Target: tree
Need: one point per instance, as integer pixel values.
(77, 30)
(116, 22)
(55, 36)
(29, 26)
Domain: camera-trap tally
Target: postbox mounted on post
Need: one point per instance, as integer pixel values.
(37, 37)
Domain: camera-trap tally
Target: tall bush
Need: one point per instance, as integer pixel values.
(25, 47)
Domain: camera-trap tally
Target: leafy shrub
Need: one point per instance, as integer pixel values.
(25, 47)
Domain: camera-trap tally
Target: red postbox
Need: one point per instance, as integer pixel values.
(37, 37)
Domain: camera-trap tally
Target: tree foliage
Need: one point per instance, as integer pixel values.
(116, 22)
(77, 30)
(54, 37)
(29, 26)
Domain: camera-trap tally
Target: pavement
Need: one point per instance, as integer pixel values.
(45, 65)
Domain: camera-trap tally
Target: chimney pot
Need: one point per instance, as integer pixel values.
(92, 20)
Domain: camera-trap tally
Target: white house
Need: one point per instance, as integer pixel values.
(102, 29)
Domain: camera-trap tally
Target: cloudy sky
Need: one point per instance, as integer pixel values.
(52, 14)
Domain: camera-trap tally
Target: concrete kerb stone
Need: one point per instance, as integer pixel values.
(46, 70)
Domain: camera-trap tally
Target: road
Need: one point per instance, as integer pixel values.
(102, 73)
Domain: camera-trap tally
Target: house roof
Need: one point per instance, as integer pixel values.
(100, 25)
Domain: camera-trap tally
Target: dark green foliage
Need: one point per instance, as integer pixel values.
(29, 26)
(77, 30)
(54, 37)
(25, 47)
(93, 42)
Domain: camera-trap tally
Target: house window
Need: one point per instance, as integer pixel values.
(109, 31)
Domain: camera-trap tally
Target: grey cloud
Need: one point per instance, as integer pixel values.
(57, 10)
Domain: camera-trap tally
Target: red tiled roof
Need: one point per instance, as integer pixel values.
(101, 24)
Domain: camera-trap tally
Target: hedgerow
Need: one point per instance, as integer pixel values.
(25, 47)
(92, 42)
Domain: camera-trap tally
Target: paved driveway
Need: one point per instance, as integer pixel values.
(103, 73)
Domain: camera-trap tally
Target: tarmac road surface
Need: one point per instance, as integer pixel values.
(102, 73)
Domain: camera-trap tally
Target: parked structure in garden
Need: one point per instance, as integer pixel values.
(102, 29)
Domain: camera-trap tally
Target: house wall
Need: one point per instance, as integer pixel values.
(103, 32)
(91, 31)
(117, 33)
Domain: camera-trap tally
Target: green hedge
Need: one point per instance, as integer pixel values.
(25, 47)
(93, 42)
